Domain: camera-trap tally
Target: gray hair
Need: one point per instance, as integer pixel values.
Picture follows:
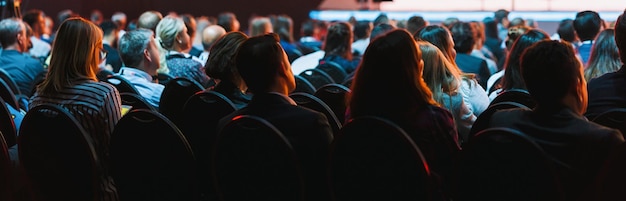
(132, 45)
(168, 28)
(9, 28)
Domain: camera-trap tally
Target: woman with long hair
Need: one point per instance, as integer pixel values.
(604, 56)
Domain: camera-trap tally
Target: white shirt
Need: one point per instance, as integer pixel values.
(40, 47)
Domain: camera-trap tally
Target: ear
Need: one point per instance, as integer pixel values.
(146, 55)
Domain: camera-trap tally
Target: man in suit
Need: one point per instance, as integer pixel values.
(554, 78)
(264, 66)
(607, 91)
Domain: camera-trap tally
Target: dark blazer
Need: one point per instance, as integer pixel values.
(578, 146)
(471, 64)
(308, 132)
(606, 92)
(113, 57)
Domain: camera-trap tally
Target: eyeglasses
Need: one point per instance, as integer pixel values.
(103, 54)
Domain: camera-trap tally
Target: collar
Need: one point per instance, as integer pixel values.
(129, 71)
(172, 52)
(285, 97)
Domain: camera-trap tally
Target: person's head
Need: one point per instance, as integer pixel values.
(229, 21)
(517, 21)
(171, 32)
(210, 34)
(554, 76)
(604, 56)
(440, 37)
(339, 40)
(479, 37)
(13, 34)
(109, 29)
(120, 19)
(283, 26)
(263, 65)
(260, 26)
(566, 30)
(309, 28)
(362, 29)
(149, 20)
(448, 22)
(391, 61)
(620, 35)
(138, 50)
(76, 52)
(491, 27)
(415, 23)
(464, 38)
(36, 19)
(380, 29)
(513, 33)
(440, 75)
(190, 23)
(587, 25)
(512, 78)
(502, 17)
(96, 16)
(221, 62)
(382, 18)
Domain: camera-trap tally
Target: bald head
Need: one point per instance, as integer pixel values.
(149, 20)
(210, 34)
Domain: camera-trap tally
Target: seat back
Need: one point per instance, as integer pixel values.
(374, 159)
(504, 164)
(303, 85)
(7, 124)
(103, 74)
(164, 78)
(174, 96)
(515, 95)
(334, 95)
(7, 177)
(482, 121)
(4, 75)
(200, 117)
(57, 155)
(314, 103)
(136, 101)
(609, 184)
(334, 70)
(6, 93)
(317, 77)
(614, 118)
(254, 161)
(121, 84)
(151, 159)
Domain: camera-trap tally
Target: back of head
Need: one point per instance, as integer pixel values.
(210, 34)
(587, 25)
(439, 73)
(308, 27)
(76, 48)
(380, 29)
(260, 26)
(149, 20)
(500, 14)
(440, 37)
(120, 19)
(108, 27)
(620, 35)
(362, 29)
(381, 18)
(463, 35)
(33, 17)
(517, 21)
(604, 56)
(448, 22)
(168, 28)
(566, 30)
(390, 67)
(96, 16)
(64, 15)
(512, 78)
(339, 40)
(415, 23)
(9, 29)
(259, 61)
(551, 71)
(283, 26)
(226, 20)
(190, 23)
(132, 46)
(491, 27)
(221, 62)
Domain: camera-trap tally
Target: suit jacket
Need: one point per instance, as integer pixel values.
(606, 92)
(308, 132)
(578, 147)
(471, 64)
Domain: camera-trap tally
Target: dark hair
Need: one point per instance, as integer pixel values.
(339, 40)
(108, 27)
(491, 27)
(381, 18)
(221, 62)
(283, 26)
(512, 78)
(550, 70)
(308, 27)
(415, 23)
(190, 23)
(587, 24)
(438, 35)
(391, 61)
(566, 30)
(620, 35)
(463, 35)
(362, 29)
(500, 14)
(258, 60)
(32, 17)
(226, 20)
(380, 30)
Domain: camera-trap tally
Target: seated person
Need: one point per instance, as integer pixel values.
(141, 61)
(554, 78)
(265, 68)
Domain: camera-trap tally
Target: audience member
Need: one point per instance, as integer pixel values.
(362, 33)
(493, 83)
(172, 35)
(221, 67)
(120, 19)
(35, 19)
(604, 56)
(141, 61)
(501, 18)
(338, 47)
(415, 23)
(260, 25)
(96, 17)
(201, 23)
(554, 78)
(25, 70)
(47, 31)
(480, 50)
(464, 41)
(229, 21)
(310, 41)
(264, 67)
(493, 42)
(381, 29)
(71, 83)
(113, 60)
(209, 35)
(149, 20)
(393, 61)
(283, 26)
(587, 25)
(606, 92)
(190, 23)
(565, 32)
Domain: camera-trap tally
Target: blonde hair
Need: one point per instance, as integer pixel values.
(439, 73)
(75, 54)
(168, 29)
(260, 25)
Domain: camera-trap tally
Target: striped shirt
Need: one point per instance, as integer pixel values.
(97, 107)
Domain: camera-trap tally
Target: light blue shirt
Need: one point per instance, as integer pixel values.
(142, 81)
